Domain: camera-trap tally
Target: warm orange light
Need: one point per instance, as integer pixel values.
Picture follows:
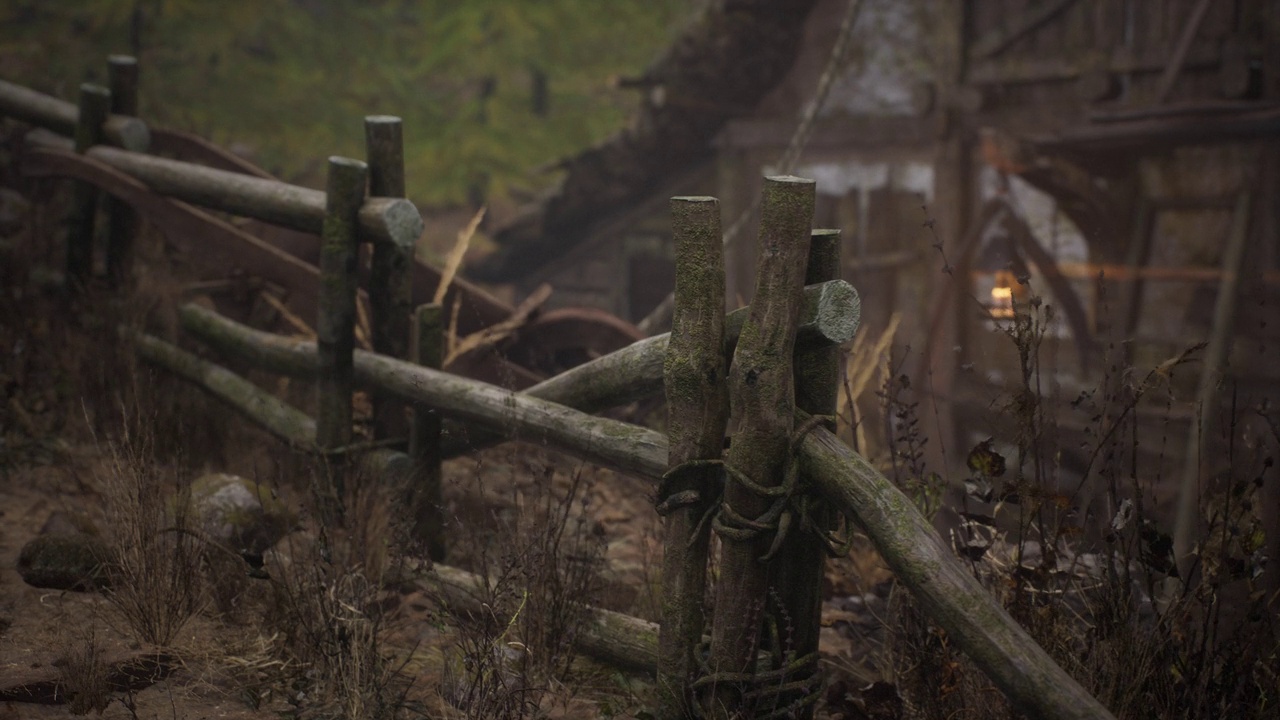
(1001, 302)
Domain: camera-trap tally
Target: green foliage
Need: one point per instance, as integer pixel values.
(293, 79)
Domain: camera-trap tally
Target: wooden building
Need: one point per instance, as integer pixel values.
(1119, 159)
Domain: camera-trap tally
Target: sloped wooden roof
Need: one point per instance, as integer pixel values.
(718, 69)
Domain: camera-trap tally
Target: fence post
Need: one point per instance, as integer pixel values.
(122, 221)
(798, 567)
(95, 105)
(390, 280)
(426, 494)
(335, 326)
(759, 462)
(698, 408)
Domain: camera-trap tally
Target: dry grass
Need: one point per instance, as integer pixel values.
(1097, 590)
(155, 578)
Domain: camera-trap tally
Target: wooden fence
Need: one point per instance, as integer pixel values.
(774, 493)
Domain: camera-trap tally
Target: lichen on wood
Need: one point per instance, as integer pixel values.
(762, 392)
(390, 284)
(798, 568)
(95, 105)
(335, 324)
(627, 375)
(427, 499)
(697, 410)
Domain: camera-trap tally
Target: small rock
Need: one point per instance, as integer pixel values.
(64, 561)
(240, 513)
(62, 522)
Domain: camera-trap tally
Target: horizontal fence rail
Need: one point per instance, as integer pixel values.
(390, 220)
(911, 548)
(61, 116)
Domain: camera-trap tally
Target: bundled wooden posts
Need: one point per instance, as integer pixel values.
(390, 280)
(122, 221)
(797, 570)
(698, 408)
(427, 499)
(95, 105)
(335, 326)
(759, 463)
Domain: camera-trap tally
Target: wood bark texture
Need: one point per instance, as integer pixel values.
(95, 104)
(427, 497)
(763, 405)
(390, 284)
(336, 319)
(381, 219)
(829, 317)
(694, 371)
(797, 570)
(61, 116)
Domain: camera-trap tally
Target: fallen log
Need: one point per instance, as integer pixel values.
(619, 640)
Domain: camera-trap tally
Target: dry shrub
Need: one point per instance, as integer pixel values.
(541, 564)
(155, 574)
(1099, 592)
(85, 677)
(331, 615)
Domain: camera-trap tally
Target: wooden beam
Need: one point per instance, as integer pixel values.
(1174, 66)
(999, 38)
(61, 116)
(393, 220)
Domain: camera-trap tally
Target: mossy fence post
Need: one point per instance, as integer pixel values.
(797, 569)
(335, 325)
(95, 106)
(759, 463)
(698, 408)
(390, 280)
(426, 494)
(122, 221)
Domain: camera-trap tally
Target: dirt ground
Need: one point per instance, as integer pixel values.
(74, 396)
(62, 419)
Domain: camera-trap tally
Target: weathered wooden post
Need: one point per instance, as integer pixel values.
(697, 410)
(797, 569)
(95, 105)
(335, 326)
(426, 495)
(122, 221)
(759, 460)
(390, 279)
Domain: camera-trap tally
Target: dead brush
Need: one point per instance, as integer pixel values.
(331, 616)
(1093, 589)
(85, 676)
(154, 578)
(541, 565)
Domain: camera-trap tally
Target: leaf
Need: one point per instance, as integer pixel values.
(985, 460)
(1156, 551)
